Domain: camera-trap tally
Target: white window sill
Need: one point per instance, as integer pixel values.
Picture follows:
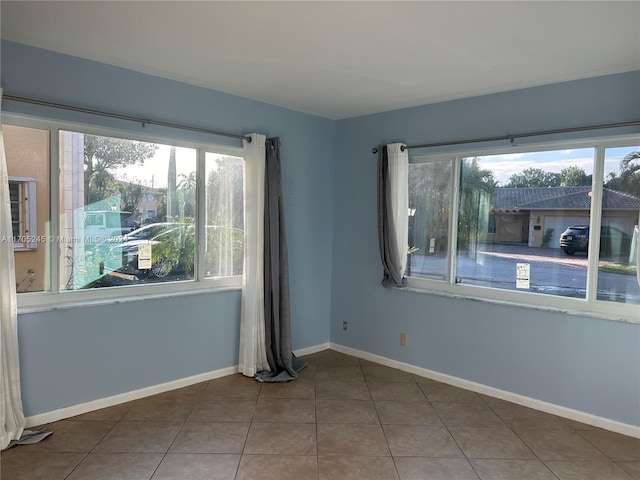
(627, 313)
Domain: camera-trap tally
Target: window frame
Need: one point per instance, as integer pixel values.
(27, 239)
(55, 298)
(590, 305)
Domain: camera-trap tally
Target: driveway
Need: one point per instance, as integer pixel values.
(551, 272)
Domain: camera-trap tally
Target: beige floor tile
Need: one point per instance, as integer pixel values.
(420, 441)
(110, 414)
(380, 373)
(139, 437)
(516, 416)
(72, 436)
(342, 390)
(333, 358)
(617, 447)
(277, 467)
(329, 410)
(281, 439)
(307, 374)
(117, 466)
(355, 440)
(632, 468)
(290, 410)
(491, 469)
(441, 392)
(399, 413)
(349, 373)
(560, 445)
(295, 389)
(396, 392)
(223, 409)
(334, 467)
(490, 442)
(23, 465)
(364, 362)
(578, 426)
(197, 467)
(310, 358)
(489, 400)
(588, 470)
(211, 438)
(467, 414)
(161, 409)
(416, 468)
(233, 386)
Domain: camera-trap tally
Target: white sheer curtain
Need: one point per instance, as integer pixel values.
(253, 357)
(12, 419)
(399, 182)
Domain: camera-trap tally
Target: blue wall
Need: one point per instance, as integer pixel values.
(582, 363)
(77, 355)
(82, 354)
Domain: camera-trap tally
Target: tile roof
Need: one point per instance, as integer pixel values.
(561, 198)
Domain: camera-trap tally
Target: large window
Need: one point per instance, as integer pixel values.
(124, 212)
(507, 225)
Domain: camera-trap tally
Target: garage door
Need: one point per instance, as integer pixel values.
(559, 223)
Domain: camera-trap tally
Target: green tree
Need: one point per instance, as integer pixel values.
(104, 155)
(627, 179)
(225, 201)
(429, 197)
(534, 177)
(187, 188)
(574, 176)
(477, 189)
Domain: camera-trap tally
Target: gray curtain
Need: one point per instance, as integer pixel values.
(282, 362)
(387, 242)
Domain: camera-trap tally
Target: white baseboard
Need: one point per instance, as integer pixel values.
(72, 411)
(577, 415)
(309, 350)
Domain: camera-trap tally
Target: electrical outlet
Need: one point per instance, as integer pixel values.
(403, 339)
(344, 325)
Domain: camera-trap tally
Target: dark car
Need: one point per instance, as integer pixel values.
(613, 241)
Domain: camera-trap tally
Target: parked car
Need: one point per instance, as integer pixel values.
(173, 250)
(123, 256)
(613, 241)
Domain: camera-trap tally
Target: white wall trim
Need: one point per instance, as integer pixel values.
(309, 350)
(577, 415)
(72, 411)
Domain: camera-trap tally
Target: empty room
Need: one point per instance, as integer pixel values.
(320, 240)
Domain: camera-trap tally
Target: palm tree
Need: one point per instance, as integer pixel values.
(187, 182)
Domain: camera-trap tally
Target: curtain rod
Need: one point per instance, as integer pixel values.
(519, 135)
(143, 121)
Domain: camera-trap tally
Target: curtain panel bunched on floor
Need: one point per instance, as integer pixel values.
(265, 328)
(12, 419)
(393, 211)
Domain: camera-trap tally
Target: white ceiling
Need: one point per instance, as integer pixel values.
(342, 59)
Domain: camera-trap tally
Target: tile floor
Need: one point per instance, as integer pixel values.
(343, 419)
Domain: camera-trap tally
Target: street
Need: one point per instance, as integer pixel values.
(551, 271)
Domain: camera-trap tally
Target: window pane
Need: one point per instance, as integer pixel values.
(519, 221)
(27, 153)
(618, 259)
(429, 186)
(224, 252)
(127, 212)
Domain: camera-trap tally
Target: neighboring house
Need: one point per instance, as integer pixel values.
(523, 215)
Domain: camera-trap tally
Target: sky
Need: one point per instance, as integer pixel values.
(503, 166)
